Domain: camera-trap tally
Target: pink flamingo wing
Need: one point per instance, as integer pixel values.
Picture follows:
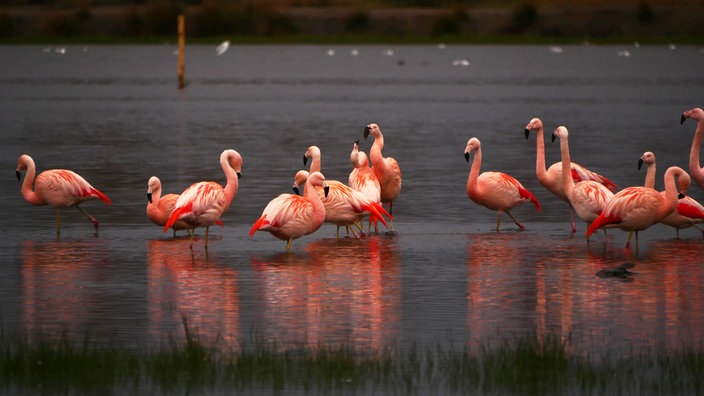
(690, 210)
(580, 173)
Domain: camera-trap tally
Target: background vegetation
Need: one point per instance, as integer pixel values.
(350, 20)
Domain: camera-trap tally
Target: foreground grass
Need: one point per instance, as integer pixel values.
(57, 365)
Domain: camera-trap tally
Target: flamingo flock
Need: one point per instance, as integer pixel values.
(376, 180)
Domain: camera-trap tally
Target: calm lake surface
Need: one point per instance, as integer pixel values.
(114, 115)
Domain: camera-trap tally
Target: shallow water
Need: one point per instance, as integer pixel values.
(114, 115)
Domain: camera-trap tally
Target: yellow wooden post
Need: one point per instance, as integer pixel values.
(181, 50)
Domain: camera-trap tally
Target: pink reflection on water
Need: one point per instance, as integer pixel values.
(339, 291)
(189, 284)
(59, 285)
(515, 288)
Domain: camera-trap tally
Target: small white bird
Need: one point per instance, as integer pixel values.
(222, 48)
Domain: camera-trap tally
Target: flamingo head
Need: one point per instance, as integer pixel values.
(647, 158)
(234, 159)
(22, 164)
(299, 179)
(317, 179)
(560, 132)
(534, 124)
(695, 113)
(312, 153)
(371, 129)
(473, 144)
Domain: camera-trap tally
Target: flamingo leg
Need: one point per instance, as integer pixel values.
(628, 241)
(288, 245)
(514, 220)
(207, 230)
(58, 222)
(91, 218)
(574, 228)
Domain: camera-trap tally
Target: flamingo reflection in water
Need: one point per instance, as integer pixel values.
(203, 293)
(58, 288)
(338, 291)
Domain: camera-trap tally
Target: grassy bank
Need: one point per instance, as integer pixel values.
(57, 365)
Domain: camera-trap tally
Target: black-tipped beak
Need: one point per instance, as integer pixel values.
(356, 142)
(553, 137)
(305, 160)
(527, 132)
(682, 118)
(239, 175)
(466, 156)
(326, 189)
(680, 196)
(296, 190)
(366, 132)
(19, 176)
(149, 197)
(640, 163)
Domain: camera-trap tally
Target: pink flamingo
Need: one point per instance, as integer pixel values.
(551, 178)
(694, 167)
(587, 197)
(494, 190)
(291, 216)
(60, 188)
(344, 206)
(362, 177)
(386, 169)
(688, 211)
(637, 208)
(160, 207)
(202, 204)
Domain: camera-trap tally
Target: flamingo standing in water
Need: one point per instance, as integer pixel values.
(688, 211)
(202, 204)
(344, 206)
(588, 197)
(694, 167)
(60, 188)
(386, 169)
(637, 208)
(551, 178)
(291, 216)
(362, 177)
(160, 207)
(494, 190)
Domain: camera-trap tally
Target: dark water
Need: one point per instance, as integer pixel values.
(114, 115)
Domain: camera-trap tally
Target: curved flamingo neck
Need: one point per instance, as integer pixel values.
(694, 165)
(27, 192)
(375, 152)
(567, 180)
(474, 172)
(231, 176)
(310, 193)
(650, 175)
(540, 169)
(671, 192)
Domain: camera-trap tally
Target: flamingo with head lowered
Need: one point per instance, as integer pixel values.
(202, 204)
(60, 188)
(551, 178)
(494, 190)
